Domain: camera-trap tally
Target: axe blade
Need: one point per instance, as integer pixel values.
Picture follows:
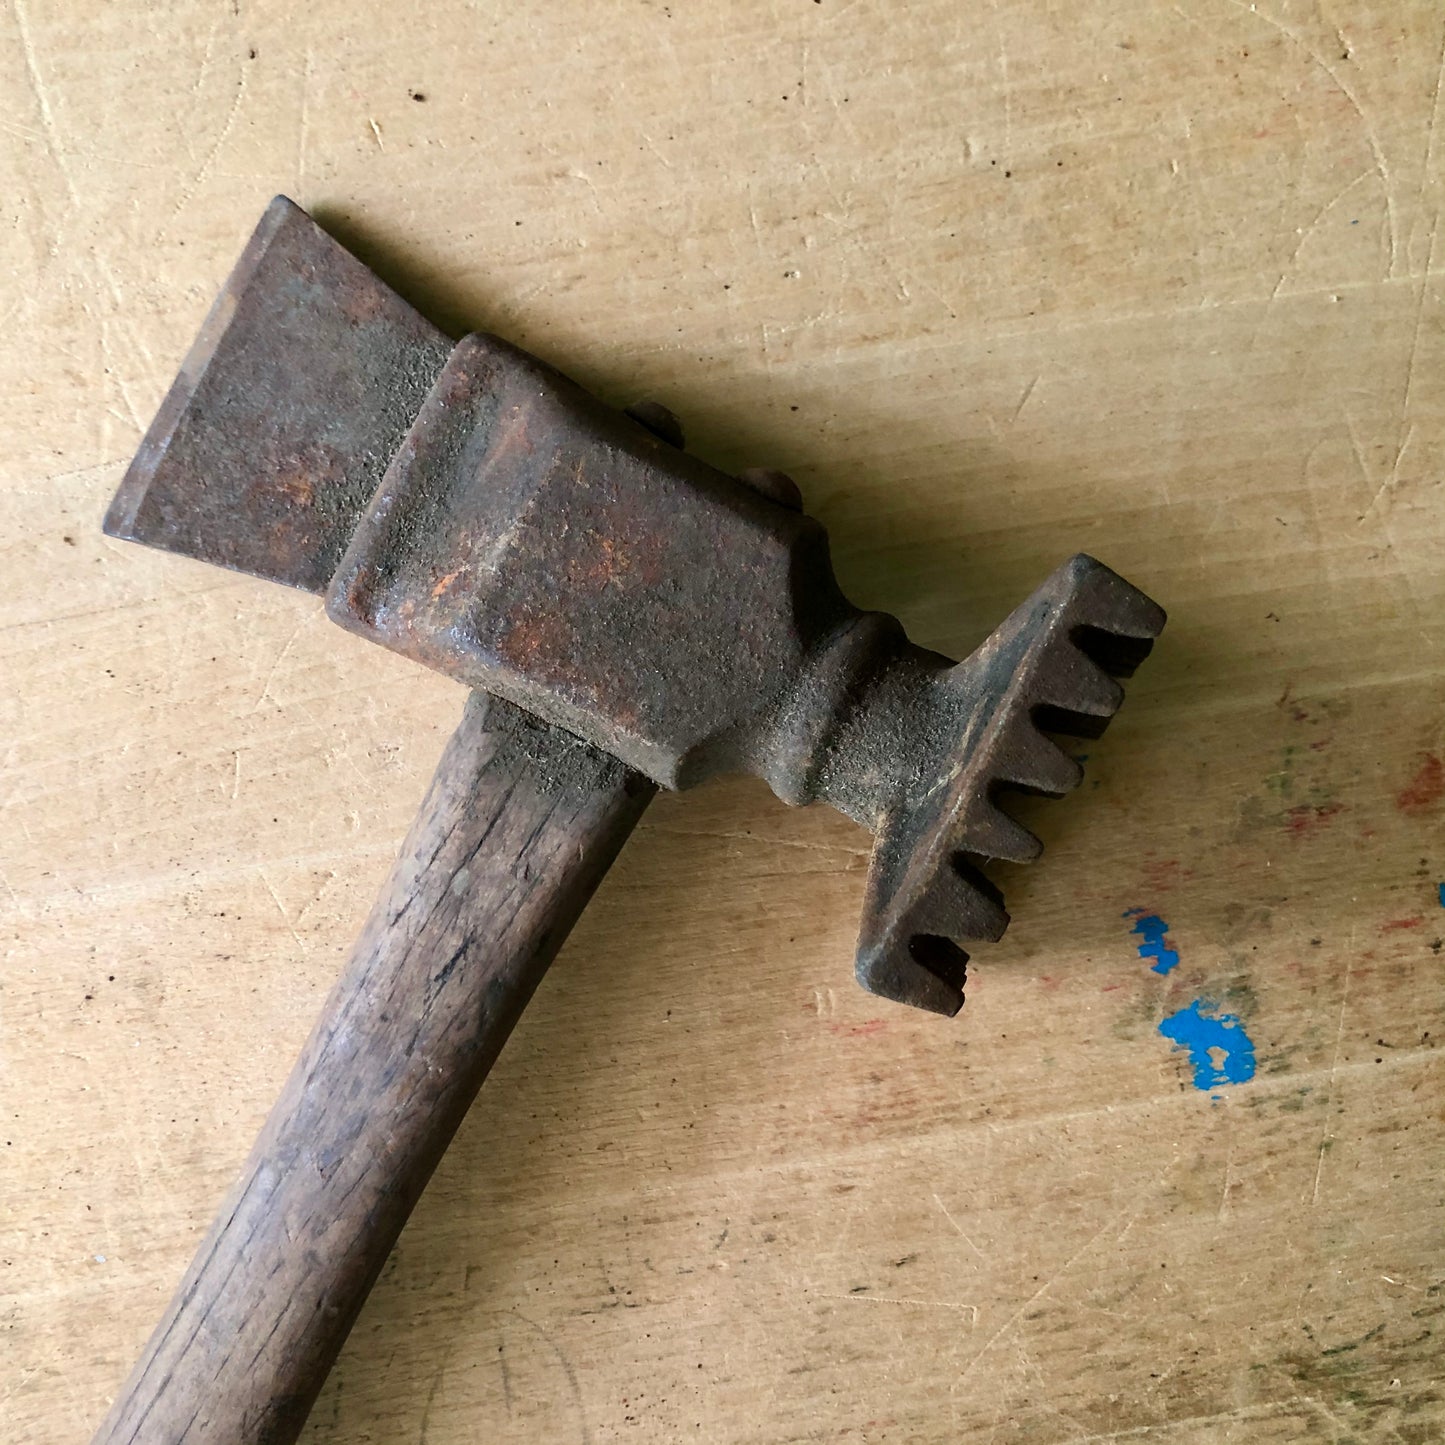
(288, 407)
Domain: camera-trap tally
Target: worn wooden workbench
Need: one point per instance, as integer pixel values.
(1159, 281)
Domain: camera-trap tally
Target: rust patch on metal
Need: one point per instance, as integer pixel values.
(302, 382)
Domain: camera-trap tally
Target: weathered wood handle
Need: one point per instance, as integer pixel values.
(519, 826)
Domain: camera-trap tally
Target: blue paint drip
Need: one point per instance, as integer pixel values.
(1155, 931)
(1198, 1029)
(1442, 895)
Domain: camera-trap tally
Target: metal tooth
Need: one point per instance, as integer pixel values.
(1126, 612)
(959, 904)
(1071, 681)
(924, 970)
(1035, 763)
(1103, 599)
(989, 919)
(941, 957)
(994, 834)
(1117, 650)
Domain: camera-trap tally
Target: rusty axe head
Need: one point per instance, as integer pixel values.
(474, 509)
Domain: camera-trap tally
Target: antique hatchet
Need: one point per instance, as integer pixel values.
(630, 618)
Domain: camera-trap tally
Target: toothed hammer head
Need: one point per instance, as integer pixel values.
(474, 509)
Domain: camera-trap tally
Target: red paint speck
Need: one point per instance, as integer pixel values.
(1396, 924)
(1425, 789)
(1308, 818)
(1162, 874)
(859, 1031)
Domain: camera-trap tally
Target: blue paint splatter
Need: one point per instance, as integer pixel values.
(1154, 932)
(1205, 1034)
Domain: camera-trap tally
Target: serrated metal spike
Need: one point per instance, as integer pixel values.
(957, 907)
(993, 834)
(1036, 764)
(1071, 682)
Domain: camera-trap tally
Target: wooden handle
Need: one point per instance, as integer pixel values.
(519, 826)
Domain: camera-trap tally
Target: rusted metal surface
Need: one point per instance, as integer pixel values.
(980, 730)
(288, 407)
(530, 541)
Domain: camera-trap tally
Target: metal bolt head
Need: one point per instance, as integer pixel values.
(777, 486)
(656, 418)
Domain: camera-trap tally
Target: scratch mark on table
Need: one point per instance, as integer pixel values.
(889, 1299)
(1371, 139)
(42, 100)
(506, 1377)
(1242, 1415)
(1325, 1137)
(304, 127)
(280, 658)
(431, 1394)
(1127, 1215)
(567, 1367)
(204, 169)
(286, 917)
(959, 1228)
(1023, 401)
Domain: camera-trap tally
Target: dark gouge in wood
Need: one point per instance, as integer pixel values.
(629, 618)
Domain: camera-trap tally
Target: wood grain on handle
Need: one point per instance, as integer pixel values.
(519, 826)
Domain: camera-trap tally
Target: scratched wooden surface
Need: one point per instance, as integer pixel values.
(1155, 280)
